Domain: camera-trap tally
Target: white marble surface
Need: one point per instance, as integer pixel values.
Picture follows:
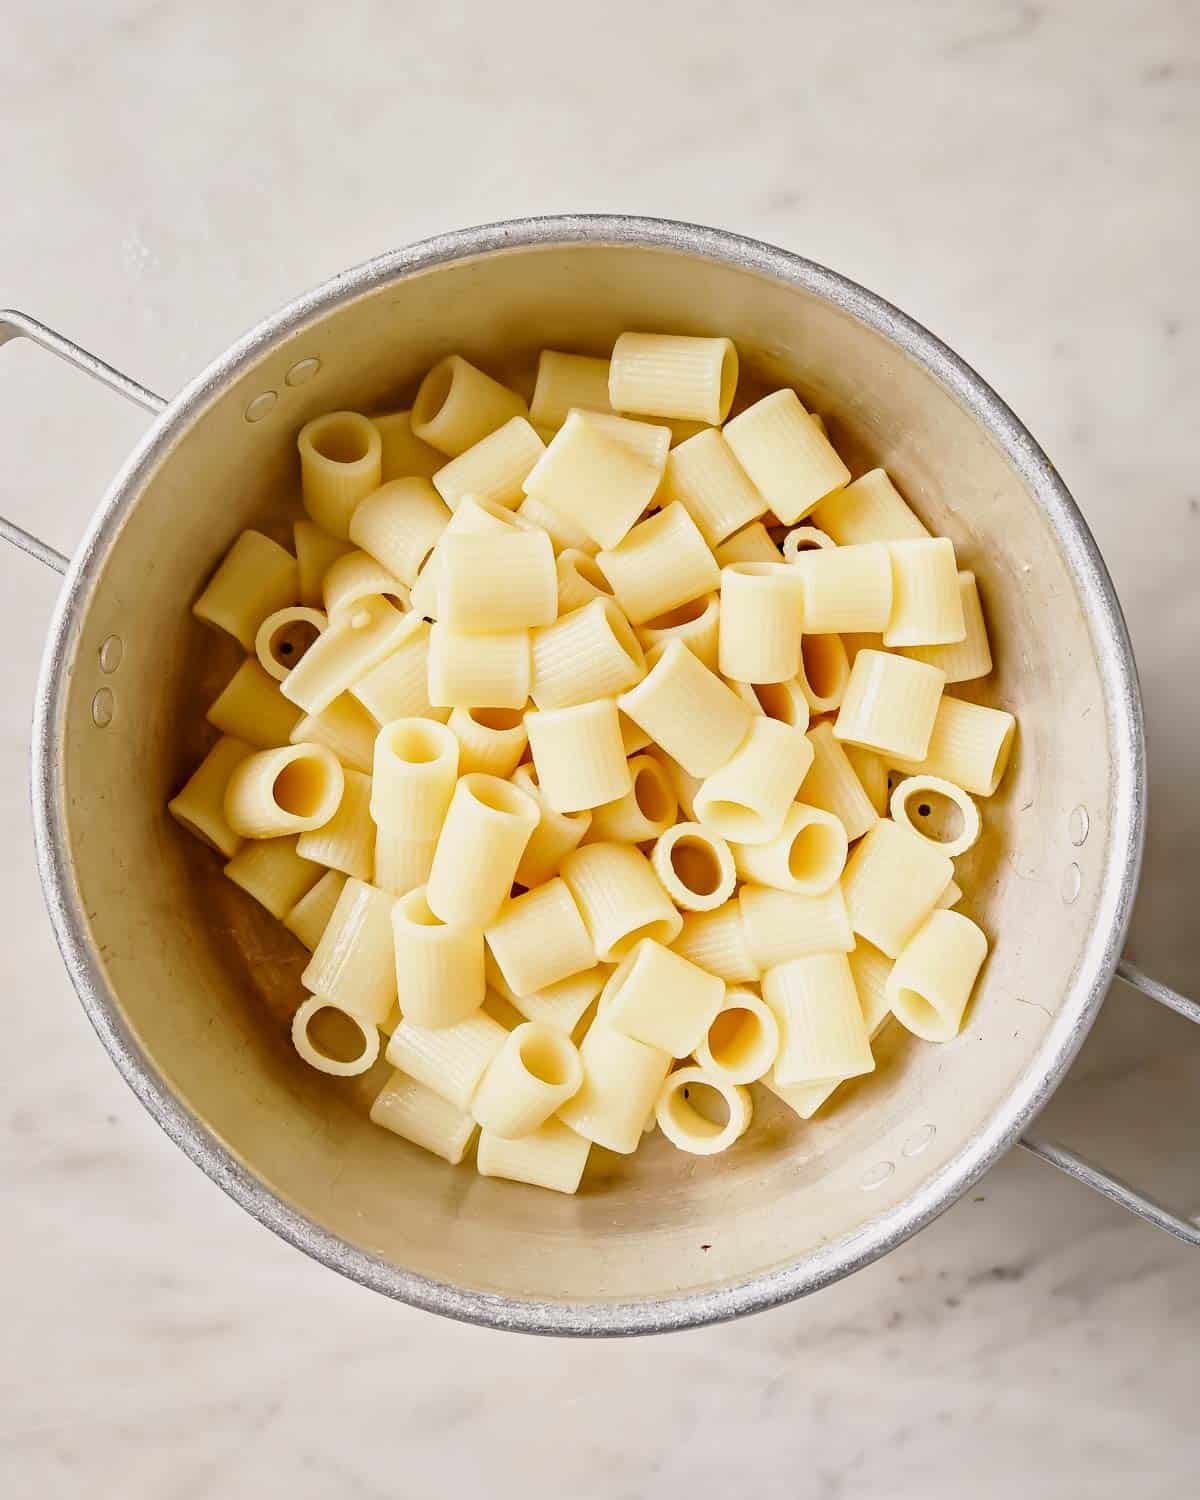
(1022, 178)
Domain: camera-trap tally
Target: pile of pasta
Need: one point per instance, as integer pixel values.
(576, 783)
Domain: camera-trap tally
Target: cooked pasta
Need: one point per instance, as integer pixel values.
(824, 672)
(255, 578)
(790, 462)
(579, 580)
(578, 755)
(717, 941)
(354, 964)
(285, 636)
(565, 535)
(494, 468)
(781, 925)
(358, 576)
(660, 998)
(565, 381)
(486, 829)
(926, 599)
(760, 622)
(662, 563)
(802, 540)
(439, 965)
(706, 479)
(621, 1080)
(553, 1156)
(594, 480)
(692, 1129)
(590, 653)
(833, 785)
(566, 1003)
(310, 915)
(399, 525)
(870, 969)
(450, 1060)
(539, 938)
(497, 583)
(317, 1040)
(751, 544)
(890, 704)
(892, 882)
(783, 701)
(822, 1033)
(345, 727)
(620, 898)
(478, 671)
(200, 805)
(341, 461)
(274, 872)
(457, 406)
(696, 718)
(646, 810)
(410, 1110)
(648, 440)
(277, 792)
(872, 772)
(398, 688)
(914, 787)
(742, 1040)
(969, 745)
(316, 552)
(355, 641)
(696, 624)
(535, 1072)
(845, 588)
(869, 510)
(415, 770)
(553, 837)
(807, 855)
(695, 867)
(970, 658)
(401, 863)
(748, 798)
(347, 841)
(667, 375)
(404, 455)
(931, 981)
(489, 739)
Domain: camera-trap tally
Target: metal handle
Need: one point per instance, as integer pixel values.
(1104, 1182)
(18, 325)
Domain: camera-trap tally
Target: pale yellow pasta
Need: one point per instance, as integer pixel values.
(255, 578)
(892, 882)
(802, 1098)
(554, 836)
(450, 1060)
(633, 736)
(872, 772)
(404, 455)
(645, 811)
(706, 479)
(341, 460)
(683, 783)
(401, 863)
(354, 964)
(926, 599)
(533, 1074)
(696, 624)
(276, 792)
(478, 671)
(457, 405)
(662, 563)
(592, 652)
(802, 540)
(807, 855)
(832, 784)
(783, 701)
(870, 969)
(497, 582)
(479, 849)
(399, 525)
(889, 705)
(859, 640)
(930, 985)
(782, 925)
(621, 1080)
(200, 805)
(760, 622)
(620, 899)
(751, 544)
(578, 755)
(965, 660)
(869, 510)
(671, 375)
(716, 940)
(285, 636)
(594, 480)
(494, 468)
(695, 867)
(818, 422)
(492, 740)
(539, 938)
(398, 688)
(415, 770)
(748, 798)
(845, 588)
(345, 727)
(970, 745)
(686, 1104)
(439, 965)
(501, 1009)
(347, 841)
(356, 640)
(310, 915)
(822, 1033)
(357, 576)
(660, 998)
(914, 787)
(742, 1041)
(579, 580)
(790, 462)
(565, 381)
(553, 1156)
(473, 517)
(312, 1035)
(647, 440)
(696, 718)
(564, 1004)
(824, 672)
(415, 1113)
(951, 896)
(316, 553)
(565, 535)
(274, 872)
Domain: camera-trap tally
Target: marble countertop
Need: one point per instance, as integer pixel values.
(1019, 176)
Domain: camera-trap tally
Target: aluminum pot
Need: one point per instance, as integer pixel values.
(190, 986)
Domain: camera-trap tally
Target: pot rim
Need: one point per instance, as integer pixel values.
(1070, 1025)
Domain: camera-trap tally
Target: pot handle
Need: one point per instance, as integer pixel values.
(1103, 1182)
(18, 325)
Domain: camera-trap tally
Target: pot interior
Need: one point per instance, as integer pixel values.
(206, 982)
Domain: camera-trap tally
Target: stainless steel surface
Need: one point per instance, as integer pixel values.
(176, 976)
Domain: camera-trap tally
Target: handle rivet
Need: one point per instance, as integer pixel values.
(302, 372)
(1079, 826)
(103, 706)
(260, 406)
(1072, 882)
(111, 652)
(877, 1175)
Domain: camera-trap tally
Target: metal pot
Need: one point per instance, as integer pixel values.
(189, 985)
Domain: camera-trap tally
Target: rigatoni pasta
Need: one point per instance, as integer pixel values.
(970, 658)
(341, 462)
(703, 475)
(255, 578)
(687, 710)
(399, 525)
(695, 866)
(494, 468)
(662, 563)
(760, 622)
(790, 461)
(200, 806)
(457, 405)
(931, 981)
(666, 375)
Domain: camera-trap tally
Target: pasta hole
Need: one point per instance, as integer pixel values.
(652, 797)
(825, 665)
(435, 388)
(336, 1035)
(734, 1037)
(417, 910)
(588, 569)
(682, 614)
(545, 1058)
(342, 441)
(499, 719)
(416, 744)
(913, 1008)
(941, 817)
(289, 643)
(623, 631)
(496, 795)
(778, 702)
(696, 865)
(813, 850)
(301, 787)
(699, 1109)
(661, 930)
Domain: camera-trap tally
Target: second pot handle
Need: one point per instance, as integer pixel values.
(19, 325)
(1095, 1177)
